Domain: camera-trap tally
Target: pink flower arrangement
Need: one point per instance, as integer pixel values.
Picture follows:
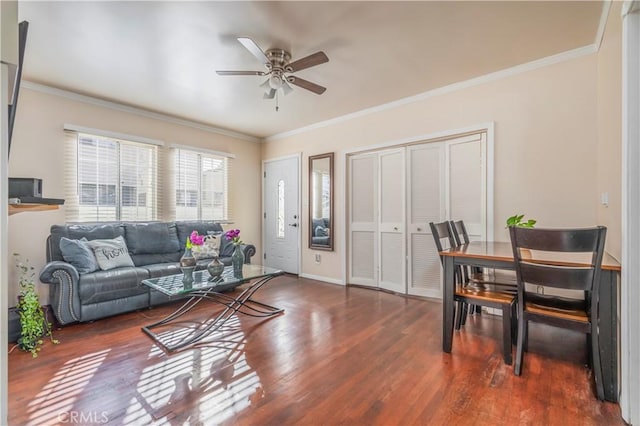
(233, 235)
(195, 240)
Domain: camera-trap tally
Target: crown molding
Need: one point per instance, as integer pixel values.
(134, 110)
(476, 81)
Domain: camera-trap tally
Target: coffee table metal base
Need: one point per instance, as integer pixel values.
(188, 335)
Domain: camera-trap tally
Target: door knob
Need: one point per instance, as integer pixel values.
(295, 225)
(395, 228)
(419, 229)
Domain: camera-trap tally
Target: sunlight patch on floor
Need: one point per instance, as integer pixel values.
(54, 403)
(208, 383)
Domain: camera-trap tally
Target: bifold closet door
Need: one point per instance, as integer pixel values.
(467, 183)
(363, 219)
(425, 203)
(391, 225)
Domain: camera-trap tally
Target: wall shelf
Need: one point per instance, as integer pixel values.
(19, 208)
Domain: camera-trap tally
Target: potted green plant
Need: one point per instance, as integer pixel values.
(33, 323)
(518, 220)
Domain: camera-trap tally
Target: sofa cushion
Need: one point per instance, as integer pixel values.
(111, 254)
(152, 237)
(150, 259)
(79, 254)
(163, 269)
(116, 283)
(91, 231)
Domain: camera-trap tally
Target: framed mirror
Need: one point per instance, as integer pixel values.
(321, 202)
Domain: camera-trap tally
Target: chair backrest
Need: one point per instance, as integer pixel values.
(460, 232)
(442, 233)
(545, 267)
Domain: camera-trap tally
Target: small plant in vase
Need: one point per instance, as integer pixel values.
(518, 220)
(237, 258)
(33, 324)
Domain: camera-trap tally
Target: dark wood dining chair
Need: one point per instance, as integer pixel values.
(504, 281)
(487, 295)
(545, 267)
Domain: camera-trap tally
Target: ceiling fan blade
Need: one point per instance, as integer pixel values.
(286, 88)
(300, 82)
(252, 47)
(240, 72)
(307, 62)
(270, 95)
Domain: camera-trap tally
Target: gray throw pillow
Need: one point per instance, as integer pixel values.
(321, 231)
(79, 254)
(111, 254)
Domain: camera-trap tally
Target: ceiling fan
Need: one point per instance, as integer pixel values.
(279, 69)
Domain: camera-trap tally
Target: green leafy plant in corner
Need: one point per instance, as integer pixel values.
(518, 220)
(33, 324)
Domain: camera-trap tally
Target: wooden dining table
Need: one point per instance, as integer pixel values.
(499, 255)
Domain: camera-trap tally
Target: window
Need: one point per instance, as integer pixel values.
(111, 179)
(201, 182)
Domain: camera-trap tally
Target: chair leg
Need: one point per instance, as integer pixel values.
(514, 323)
(478, 309)
(522, 338)
(506, 334)
(465, 313)
(459, 308)
(597, 366)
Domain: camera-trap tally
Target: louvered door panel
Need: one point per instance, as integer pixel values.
(466, 184)
(425, 177)
(391, 225)
(363, 217)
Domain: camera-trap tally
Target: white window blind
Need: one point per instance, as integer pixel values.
(110, 179)
(201, 185)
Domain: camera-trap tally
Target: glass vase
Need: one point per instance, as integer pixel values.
(215, 268)
(187, 260)
(237, 260)
(187, 276)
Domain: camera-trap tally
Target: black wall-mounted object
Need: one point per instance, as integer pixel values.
(25, 187)
(23, 27)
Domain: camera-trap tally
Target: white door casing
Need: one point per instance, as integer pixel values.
(281, 214)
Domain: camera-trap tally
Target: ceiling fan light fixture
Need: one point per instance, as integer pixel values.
(275, 81)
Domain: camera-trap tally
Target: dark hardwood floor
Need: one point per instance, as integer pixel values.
(336, 356)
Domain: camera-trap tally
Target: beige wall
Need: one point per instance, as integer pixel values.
(37, 151)
(610, 129)
(545, 146)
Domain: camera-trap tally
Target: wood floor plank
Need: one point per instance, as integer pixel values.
(337, 356)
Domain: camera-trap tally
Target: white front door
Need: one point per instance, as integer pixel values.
(281, 214)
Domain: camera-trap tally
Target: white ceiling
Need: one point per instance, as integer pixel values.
(162, 56)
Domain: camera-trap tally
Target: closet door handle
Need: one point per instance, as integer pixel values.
(395, 228)
(419, 229)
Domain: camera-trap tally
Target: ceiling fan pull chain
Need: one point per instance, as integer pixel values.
(277, 108)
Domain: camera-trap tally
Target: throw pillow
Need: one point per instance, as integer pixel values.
(208, 250)
(111, 254)
(322, 231)
(79, 254)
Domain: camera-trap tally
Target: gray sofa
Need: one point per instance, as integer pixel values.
(155, 249)
(320, 231)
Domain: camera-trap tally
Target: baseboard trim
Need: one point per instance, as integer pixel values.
(321, 278)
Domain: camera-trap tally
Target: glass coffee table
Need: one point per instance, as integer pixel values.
(176, 334)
